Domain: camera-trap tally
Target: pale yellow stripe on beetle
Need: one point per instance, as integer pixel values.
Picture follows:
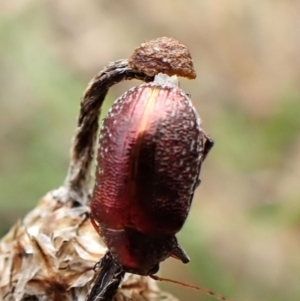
(149, 106)
(142, 128)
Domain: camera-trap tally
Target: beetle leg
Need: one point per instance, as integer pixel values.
(96, 227)
(208, 144)
(107, 280)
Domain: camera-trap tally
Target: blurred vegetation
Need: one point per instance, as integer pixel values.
(243, 230)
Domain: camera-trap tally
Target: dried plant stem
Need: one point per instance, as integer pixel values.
(82, 151)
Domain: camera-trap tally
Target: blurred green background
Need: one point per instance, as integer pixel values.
(243, 232)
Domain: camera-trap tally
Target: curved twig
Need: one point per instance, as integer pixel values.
(82, 151)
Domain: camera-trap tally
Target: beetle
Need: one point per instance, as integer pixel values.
(151, 148)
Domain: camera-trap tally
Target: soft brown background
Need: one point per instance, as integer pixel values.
(243, 232)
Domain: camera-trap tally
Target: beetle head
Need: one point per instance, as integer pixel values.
(138, 253)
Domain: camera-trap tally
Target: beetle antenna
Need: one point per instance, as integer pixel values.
(204, 290)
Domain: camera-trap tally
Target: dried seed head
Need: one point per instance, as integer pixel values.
(50, 255)
(165, 55)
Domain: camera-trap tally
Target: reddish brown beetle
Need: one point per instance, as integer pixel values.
(151, 148)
